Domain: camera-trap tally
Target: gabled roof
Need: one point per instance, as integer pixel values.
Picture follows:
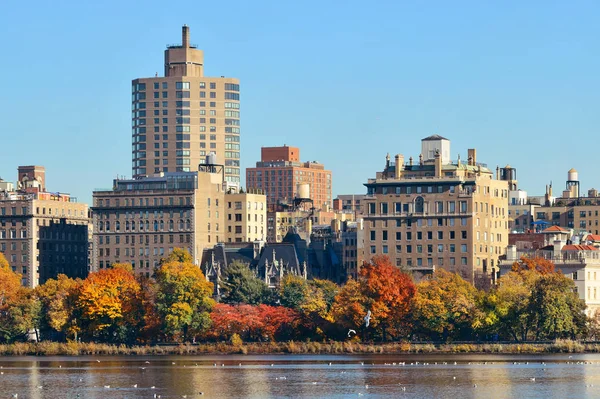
(555, 229)
(592, 237)
(434, 137)
(579, 248)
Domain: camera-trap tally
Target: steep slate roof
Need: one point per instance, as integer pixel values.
(285, 252)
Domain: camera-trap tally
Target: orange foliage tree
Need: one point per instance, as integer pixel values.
(108, 306)
(383, 289)
(538, 264)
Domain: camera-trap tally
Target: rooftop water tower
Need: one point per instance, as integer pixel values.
(573, 183)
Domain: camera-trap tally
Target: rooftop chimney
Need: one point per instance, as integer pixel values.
(185, 36)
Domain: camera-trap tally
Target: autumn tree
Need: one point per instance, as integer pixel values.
(108, 306)
(56, 297)
(313, 299)
(538, 264)
(183, 297)
(445, 306)
(240, 285)
(18, 311)
(383, 289)
(253, 323)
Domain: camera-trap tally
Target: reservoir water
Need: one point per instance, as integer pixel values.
(302, 376)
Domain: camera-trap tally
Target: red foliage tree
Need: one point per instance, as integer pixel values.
(252, 323)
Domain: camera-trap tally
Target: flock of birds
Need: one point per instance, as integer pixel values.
(403, 387)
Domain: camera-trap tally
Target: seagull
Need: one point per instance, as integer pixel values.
(147, 362)
(135, 385)
(532, 379)
(351, 332)
(106, 386)
(367, 318)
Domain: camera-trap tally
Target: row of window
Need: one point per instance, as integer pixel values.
(419, 235)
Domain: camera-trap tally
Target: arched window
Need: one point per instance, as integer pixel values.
(118, 226)
(188, 224)
(141, 225)
(156, 225)
(107, 226)
(419, 205)
(170, 225)
(162, 225)
(100, 226)
(147, 225)
(180, 224)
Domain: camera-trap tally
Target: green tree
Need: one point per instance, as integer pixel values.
(183, 298)
(560, 312)
(240, 285)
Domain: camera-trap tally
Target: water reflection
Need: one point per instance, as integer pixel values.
(472, 377)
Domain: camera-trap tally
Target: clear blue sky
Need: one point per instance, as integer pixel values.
(346, 81)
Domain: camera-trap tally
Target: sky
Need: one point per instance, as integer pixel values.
(346, 81)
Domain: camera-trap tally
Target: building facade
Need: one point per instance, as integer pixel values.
(181, 117)
(246, 217)
(282, 177)
(436, 213)
(42, 234)
(141, 221)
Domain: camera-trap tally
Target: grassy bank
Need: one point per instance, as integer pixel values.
(81, 349)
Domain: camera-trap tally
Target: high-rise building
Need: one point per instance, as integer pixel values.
(438, 213)
(181, 117)
(42, 234)
(282, 176)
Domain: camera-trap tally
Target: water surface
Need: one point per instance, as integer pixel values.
(302, 376)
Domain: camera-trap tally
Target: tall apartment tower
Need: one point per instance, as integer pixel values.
(180, 118)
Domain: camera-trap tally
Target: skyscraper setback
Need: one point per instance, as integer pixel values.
(180, 118)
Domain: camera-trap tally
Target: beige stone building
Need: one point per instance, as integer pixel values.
(179, 118)
(141, 221)
(246, 217)
(436, 213)
(42, 234)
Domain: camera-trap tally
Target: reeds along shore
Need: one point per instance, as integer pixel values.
(82, 349)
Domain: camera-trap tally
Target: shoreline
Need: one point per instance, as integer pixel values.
(292, 347)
